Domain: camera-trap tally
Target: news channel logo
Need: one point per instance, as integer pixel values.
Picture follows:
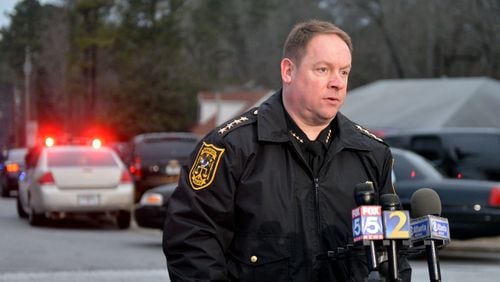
(367, 223)
(396, 224)
(430, 227)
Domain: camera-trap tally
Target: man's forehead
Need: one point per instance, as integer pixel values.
(328, 47)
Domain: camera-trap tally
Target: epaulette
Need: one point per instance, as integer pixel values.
(368, 133)
(246, 118)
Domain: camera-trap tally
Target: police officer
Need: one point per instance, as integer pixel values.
(270, 192)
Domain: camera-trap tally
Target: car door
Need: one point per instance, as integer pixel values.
(28, 176)
(25, 181)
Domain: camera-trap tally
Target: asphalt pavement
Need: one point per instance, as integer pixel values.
(485, 244)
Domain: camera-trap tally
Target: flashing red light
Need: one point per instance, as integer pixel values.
(459, 175)
(12, 167)
(96, 143)
(413, 174)
(46, 178)
(495, 196)
(49, 141)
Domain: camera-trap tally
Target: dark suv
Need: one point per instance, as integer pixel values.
(156, 158)
(458, 152)
(11, 165)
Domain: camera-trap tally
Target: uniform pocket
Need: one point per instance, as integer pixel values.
(260, 258)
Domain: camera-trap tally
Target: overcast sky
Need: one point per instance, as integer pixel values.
(6, 6)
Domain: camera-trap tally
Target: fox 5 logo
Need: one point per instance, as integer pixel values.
(367, 226)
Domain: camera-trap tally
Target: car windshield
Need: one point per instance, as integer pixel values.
(410, 166)
(161, 148)
(80, 158)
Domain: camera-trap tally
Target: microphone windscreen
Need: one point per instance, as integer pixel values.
(364, 193)
(390, 202)
(425, 201)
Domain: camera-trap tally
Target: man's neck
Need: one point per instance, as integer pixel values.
(311, 131)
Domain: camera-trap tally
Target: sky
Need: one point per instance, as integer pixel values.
(7, 6)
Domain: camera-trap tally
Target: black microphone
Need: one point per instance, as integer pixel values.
(396, 231)
(367, 224)
(429, 230)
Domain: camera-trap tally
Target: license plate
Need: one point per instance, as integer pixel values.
(88, 200)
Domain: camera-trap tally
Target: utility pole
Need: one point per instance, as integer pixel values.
(30, 126)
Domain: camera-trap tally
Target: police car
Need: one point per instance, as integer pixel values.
(62, 180)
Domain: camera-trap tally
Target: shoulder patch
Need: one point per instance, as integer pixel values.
(235, 123)
(205, 166)
(368, 133)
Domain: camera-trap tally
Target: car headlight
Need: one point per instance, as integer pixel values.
(151, 199)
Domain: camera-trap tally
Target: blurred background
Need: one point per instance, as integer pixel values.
(135, 66)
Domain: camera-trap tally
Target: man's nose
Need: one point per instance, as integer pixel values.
(337, 81)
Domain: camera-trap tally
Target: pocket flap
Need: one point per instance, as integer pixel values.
(260, 249)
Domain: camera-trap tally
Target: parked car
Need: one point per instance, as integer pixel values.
(471, 206)
(151, 210)
(464, 153)
(156, 158)
(66, 180)
(10, 168)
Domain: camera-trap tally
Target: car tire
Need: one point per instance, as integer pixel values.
(5, 191)
(123, 219)
(36, 219)
(20, 211)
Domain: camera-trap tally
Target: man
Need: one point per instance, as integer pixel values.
(269, 193)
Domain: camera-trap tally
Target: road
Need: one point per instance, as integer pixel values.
(82, 251)
(77, 251)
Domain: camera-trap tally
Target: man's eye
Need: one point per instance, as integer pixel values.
(322, 70)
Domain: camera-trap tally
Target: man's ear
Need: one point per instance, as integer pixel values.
(286, 70)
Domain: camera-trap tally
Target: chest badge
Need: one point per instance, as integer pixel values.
(205, 166)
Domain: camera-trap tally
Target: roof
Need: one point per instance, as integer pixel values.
(425, 103)
(218, 107)
(170, 135)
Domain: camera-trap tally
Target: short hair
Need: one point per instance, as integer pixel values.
(302, 33)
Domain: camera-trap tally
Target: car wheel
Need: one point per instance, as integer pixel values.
(20, 211)
(5, 191)
(123, 219)
(36, 219)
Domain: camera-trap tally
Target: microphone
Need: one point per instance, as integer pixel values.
(367, 224)
(429, 230)
(396, 230)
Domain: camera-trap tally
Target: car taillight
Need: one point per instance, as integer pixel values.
(46, 178)
(13, 167)
(125, 178)
(495, 196)
(135, 168)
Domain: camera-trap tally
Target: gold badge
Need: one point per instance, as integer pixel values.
(205, 166)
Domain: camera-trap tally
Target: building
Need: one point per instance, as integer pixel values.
(425, 103)
(214, 108)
